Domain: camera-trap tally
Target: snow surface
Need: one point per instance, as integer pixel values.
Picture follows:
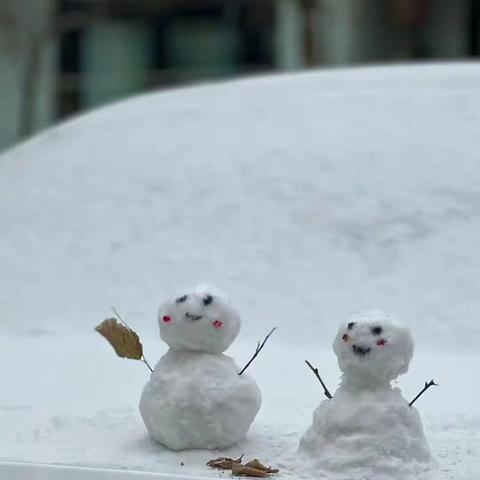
(307, 197)
(367, 429)
(39, 471)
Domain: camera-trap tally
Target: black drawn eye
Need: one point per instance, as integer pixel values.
(208, 300)
(377, 330)
(351, 325)
(181, 299)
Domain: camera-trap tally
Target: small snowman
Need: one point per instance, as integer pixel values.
(197, 397)
(367, 430)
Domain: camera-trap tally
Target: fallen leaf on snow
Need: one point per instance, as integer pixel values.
(244, 471)
(224, 463)
(259, 466)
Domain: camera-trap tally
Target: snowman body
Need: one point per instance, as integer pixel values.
(195, 398)
(367, 430)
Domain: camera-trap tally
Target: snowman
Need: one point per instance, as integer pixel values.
(197, 397)
(367, 430)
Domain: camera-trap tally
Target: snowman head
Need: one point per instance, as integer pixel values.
(201, 319)
(373, 348)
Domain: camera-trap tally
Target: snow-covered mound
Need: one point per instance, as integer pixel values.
(365, 435)
(307, 197)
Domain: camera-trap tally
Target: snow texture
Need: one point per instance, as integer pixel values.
(367, 430)
(308, 197)
(197, 400)
(372, 349)
(85, 412)
(368, 434)
(201, 319)
(195, 397)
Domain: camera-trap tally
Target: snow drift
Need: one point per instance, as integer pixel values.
(306, 197)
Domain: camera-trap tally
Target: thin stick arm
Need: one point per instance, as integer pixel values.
(429, 384)
(257, 350)
(315, 371)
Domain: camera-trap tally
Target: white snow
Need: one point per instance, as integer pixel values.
(198, 400)
(195, 397)
(372, 349)
(366, 434)
(201, 319)
(307, 197)
(67, 399)
(367, 429)
(39, 471)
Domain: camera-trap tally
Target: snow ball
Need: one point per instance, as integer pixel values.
(197, 400)
(372, 347)
(201, 319)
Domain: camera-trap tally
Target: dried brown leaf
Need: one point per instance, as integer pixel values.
(223, 463)
(255, 463)
(124, 341)
(243, 470)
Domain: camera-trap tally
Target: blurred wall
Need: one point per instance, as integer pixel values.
(363, 31)
(113, 72)
(27, 68)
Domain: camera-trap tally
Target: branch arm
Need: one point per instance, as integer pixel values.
(429, 384)
(315, 371)
(257, 350)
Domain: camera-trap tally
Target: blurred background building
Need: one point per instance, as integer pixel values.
(59, 57)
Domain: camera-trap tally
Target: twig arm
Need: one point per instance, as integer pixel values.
(257, 350)
(315, 371)
(144, 360)
(429, 384)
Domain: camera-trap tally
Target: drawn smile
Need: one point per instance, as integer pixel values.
(360, 350)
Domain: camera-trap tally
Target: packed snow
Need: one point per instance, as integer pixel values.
(195, 397)
(198, 400)
(372, 349)
(306, 197)
(202, 320)
(367, 429)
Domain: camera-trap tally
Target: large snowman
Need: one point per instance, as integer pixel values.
(368, 430)
(195, 398)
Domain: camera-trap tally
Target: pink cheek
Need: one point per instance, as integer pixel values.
(382, 342)
(345, 337)
(167, 319)
(217, 324)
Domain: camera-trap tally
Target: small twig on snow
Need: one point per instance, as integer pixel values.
(429, 384)
(257, 350)
(315, 371)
